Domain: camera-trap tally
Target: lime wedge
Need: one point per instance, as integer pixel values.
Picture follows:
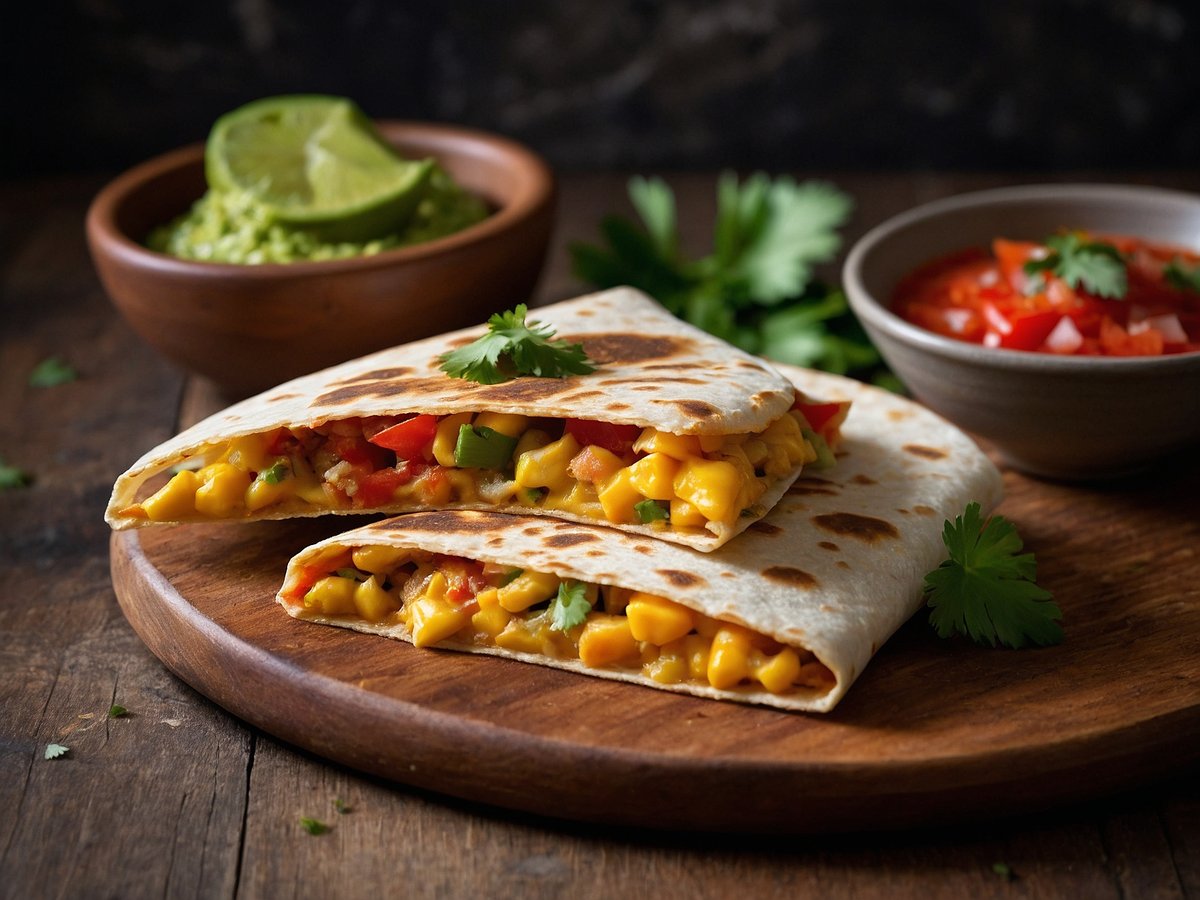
(317, 163)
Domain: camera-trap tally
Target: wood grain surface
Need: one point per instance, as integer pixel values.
(180, 799)
(933, 731)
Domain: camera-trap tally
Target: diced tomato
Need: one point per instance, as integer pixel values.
(587, 465)
(1012, 256)
(464, 578)
(1116, 341)
(301, 581)
(378, 488)
(357, 451)
(411, 439)
(1021, 330)
(281, 441)
(817, 414)
(616, 438)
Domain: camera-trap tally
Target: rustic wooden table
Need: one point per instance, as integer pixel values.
(180, 799)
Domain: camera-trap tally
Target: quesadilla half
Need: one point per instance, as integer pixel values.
(787, 615)
(674, 434)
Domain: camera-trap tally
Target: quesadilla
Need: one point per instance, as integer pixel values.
(674, 434)
(786, 615)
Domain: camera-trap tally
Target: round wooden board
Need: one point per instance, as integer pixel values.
(933, 731)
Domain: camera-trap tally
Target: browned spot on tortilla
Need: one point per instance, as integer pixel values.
(903, 512)
(828, 545)
(697, 408)
(583, 394)
(923, 510)
(788, 575)
(624, 347)
(616, 407)
(863, 479)
(524, 389)
(897, 415)
(643, 548)
(495, 542)
(279, 397)
(746, 364)
(462, 341)
(861, 528)
(595, 553)
(645, 387)
(680, 579)
(381, 388)
(679, 380)
(925, 452)
(570, 539)
(728, 575)
(764, 528)
(825, 608)
(842, 564)
(799, 488)
(533, 530)
(379, 375)
(586, 313)
(446, 521)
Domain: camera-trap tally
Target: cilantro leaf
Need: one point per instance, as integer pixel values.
(12, 477)
(276, 473)
(513, 347)
(313, 826)
(1096, 265)
(342, 806)
(1180, 277)
(570, 607)
(651, 511)
(55, 751)
(50, 372)
(986, 588)
(756, 289)
(116, 711)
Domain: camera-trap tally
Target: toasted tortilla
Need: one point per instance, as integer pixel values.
(653, 371)
(834, 569)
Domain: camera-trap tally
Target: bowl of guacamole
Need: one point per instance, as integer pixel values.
(250, 293)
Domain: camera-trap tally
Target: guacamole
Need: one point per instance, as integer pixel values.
(231, 226)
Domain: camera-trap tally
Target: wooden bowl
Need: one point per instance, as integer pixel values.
(1064, 417)
(251, 327)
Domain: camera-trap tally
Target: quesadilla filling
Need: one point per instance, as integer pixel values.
(611, 473)
(434, 600)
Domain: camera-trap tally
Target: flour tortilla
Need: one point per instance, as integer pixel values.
(835, 568)
(654, 370)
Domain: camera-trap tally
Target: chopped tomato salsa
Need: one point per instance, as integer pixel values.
(1139, 299)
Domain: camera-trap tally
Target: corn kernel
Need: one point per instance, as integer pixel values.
(676, 446)
(657, 619)
(372, 602)
(547, 466)
(684, 515)
(488, 598)
(653, 476)
(533, 439)
(174, 500)
(581, 500)
(490, 620)
(332, 596)
(756, 451)
(618, 496)
(606, 640)
(527, 589)
(517, 637)
(223, 491)
(671, 665)
(434, 620)
(261, 493)
(505, 423)
(728, 662)
(779, 672)
(462, 485)
(696, 650)
(446, 438)
(378, 559)
(248, 452)
(711, 486)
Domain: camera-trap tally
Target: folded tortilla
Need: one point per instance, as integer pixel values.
(786, 615)
(688, 439)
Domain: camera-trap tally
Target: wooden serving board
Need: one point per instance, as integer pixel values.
(933, 731)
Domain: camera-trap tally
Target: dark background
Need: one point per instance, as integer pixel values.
(97, 85)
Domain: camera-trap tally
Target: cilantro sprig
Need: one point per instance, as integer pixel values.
(570, 607)
(1096, 265)
(987, 589)
(50, 372)
(1181, 277)
(757, 289)
(515, 347)
(313, 826)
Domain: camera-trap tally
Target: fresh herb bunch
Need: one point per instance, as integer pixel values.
(757, 288)
(513, 347)
(987, 589)
(1097, 265)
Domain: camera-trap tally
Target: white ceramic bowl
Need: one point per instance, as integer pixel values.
(1060, 416)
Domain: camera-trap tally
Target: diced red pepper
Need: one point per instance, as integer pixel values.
(817, 414)
(464, 578)
(378, 488)
(616, 438)
(357, 451)
(411, 439)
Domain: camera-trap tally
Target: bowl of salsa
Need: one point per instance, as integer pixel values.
(1061, 323)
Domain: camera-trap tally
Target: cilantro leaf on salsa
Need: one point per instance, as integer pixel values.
(1096, 265)
(987, 589)
(514, 347)
(570, 607)
(50, 372)
(1176, 274)
(757, 288)
(12, 477)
